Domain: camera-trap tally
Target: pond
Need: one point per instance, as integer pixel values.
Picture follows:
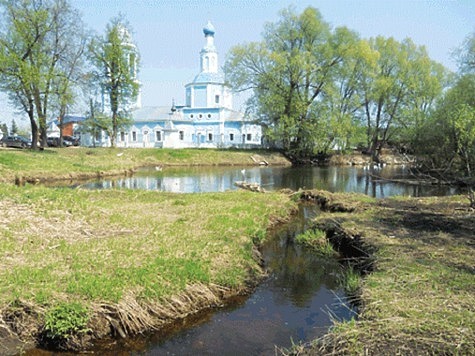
(379, 183)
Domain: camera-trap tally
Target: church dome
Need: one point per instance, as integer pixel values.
(208, 30)
(209, 77)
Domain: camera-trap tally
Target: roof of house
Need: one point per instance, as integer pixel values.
(151, 113)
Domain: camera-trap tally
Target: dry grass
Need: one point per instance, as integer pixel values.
(420, 297)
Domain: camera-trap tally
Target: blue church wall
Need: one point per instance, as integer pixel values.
(206, 120)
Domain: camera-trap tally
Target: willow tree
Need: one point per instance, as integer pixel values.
(400, 85)
(288, 73)
(36, 39)
(342, 99)
(115, 59)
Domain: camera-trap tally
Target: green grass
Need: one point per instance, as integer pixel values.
(62, 163)
(317, 240)
(66, 319)
(63, 244)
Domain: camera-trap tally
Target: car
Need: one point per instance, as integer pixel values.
(52, 141)
(15, 141)
(72, 140)
(67, 141)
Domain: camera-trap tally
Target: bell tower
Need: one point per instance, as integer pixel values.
(208, 54)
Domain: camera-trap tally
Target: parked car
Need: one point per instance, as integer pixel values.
(70, 139)
(54, 141)
(15, 141)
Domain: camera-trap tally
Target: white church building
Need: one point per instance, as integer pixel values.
(206, 120)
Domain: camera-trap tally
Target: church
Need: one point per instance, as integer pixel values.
(206, 120)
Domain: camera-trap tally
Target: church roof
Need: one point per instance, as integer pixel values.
(209, 77)
(151, 113)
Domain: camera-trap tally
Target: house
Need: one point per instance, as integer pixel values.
(70, 124)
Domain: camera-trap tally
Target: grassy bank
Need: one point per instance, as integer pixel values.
(419, 295)
(64, 163)
(130, 260)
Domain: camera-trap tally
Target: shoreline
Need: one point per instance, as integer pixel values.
(416, 289)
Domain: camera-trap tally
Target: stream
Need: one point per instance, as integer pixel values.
(302, 294)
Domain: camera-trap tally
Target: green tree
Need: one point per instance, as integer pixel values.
(466, 55)
(401, 87)
(288, 73)
(14, 128)
(337, 111)
(449, 137)
(35, 45)
(115, 59)
(4, 129)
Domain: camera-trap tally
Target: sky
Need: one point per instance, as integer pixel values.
(169, 34)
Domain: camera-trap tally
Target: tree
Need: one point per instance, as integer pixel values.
(115, 59)
(35, 47)
(466, 55)
(4, 129)
(448, 138)
(288, 73)
(342, 98)
(14, 129)
(402, 85)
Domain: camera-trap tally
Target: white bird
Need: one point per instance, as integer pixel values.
(158, 168)
(243, 171)
(120, 154)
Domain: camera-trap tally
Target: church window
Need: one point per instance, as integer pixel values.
(191, 115)
(249, 137)
(182, 135)
(201, 116)
(134, 136)
(209, 116)
(210, 137)
(231, 137)
(158, 135)
(216, 99)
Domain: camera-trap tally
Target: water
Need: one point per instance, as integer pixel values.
(297, 302)
(301, 296)
(376, 183)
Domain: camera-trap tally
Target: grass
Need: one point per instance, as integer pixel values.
(317, 240)
(133, 251)
(99, 244)
(420, 297)
(64, 163)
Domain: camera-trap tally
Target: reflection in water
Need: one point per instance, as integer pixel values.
(379, 184)
(301, 294)
(294, 303)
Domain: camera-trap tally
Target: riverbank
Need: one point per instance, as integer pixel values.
(78, 265)
(75, 163)
(417, 293)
